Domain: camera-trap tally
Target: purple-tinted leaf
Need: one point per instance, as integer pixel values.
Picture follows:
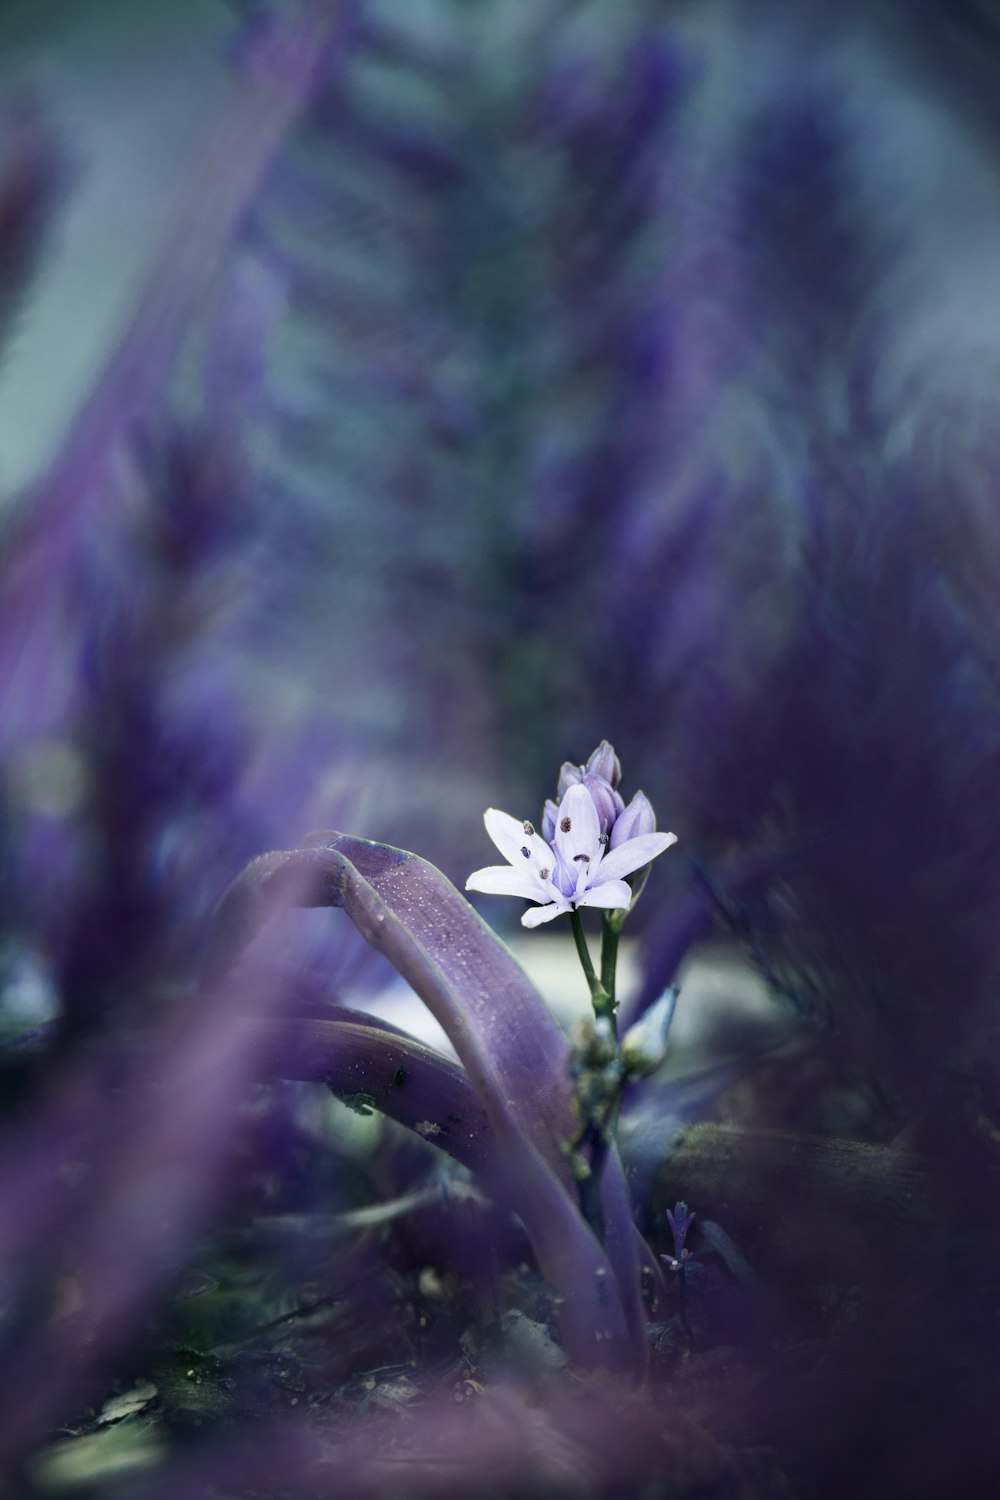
(156, 1155)
(513, 1052)
(355, 1054)
(277, 79)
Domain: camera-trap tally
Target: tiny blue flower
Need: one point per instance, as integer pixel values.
(680, 1222)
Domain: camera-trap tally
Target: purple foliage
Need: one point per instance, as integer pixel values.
(31, 176)
(515, 1058)
(461, 419)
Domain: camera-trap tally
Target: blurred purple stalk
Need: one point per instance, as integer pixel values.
(275, 83)
(107, 1201)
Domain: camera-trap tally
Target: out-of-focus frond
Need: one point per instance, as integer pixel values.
(32, 172)
(474, 228)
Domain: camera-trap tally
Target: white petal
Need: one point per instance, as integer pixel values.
(609, 893)
(582, 837)
(512, 839)
(502, 880)
(633, 854)
(536, 915)
(507, 833)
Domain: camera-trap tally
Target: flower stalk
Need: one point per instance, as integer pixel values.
(592, 850)
(611, 927)
(601, 997)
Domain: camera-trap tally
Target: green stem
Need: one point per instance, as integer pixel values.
(601, 1000)
(611, 929)
(597, 1135)
(582, 949)
(610, 932)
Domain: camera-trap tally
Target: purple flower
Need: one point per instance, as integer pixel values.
(635, 821)
(600, 775)
(574, 867)
(607, 801)
(569, 775)
(604, 763)
(550, 816)
(680, 1222)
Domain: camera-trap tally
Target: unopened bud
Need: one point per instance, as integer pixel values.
(569, 775)
(550, 813)
(637, 819)
(644, 1045)
(605, 763)
(607, 801)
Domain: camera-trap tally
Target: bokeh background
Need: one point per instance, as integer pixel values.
(533, 408)
(398, 398)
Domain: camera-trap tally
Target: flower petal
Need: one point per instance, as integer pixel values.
(636, 820)
(502, 880)
(604, 797)
(569, 775)
(549, 814)
(536, 915)
(633, 854)
(604, 762)
(506, 832)
(512, 839)
(578, 827)
(613, 893)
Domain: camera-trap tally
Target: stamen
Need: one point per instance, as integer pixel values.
(565, 825)
(526, 853)
(604, 838)
(544, 874)
(528, 828)
(585, 858)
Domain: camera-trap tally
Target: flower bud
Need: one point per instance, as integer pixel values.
(569, 775)
(607, 801)
(605, 763)
(549, 814)
(644, 1046)
(637, 819)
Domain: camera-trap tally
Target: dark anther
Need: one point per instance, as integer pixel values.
(604, 838)
(545, 874)
(584, 857)
(565, 825)
(528, 828)
(526, 853)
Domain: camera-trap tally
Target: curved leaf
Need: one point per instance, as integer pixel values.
(355, 1054)
(513, 1052)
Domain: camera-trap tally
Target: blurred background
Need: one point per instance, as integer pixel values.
(535, 334)
(398, 398)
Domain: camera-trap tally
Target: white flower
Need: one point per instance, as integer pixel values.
(576, 869)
